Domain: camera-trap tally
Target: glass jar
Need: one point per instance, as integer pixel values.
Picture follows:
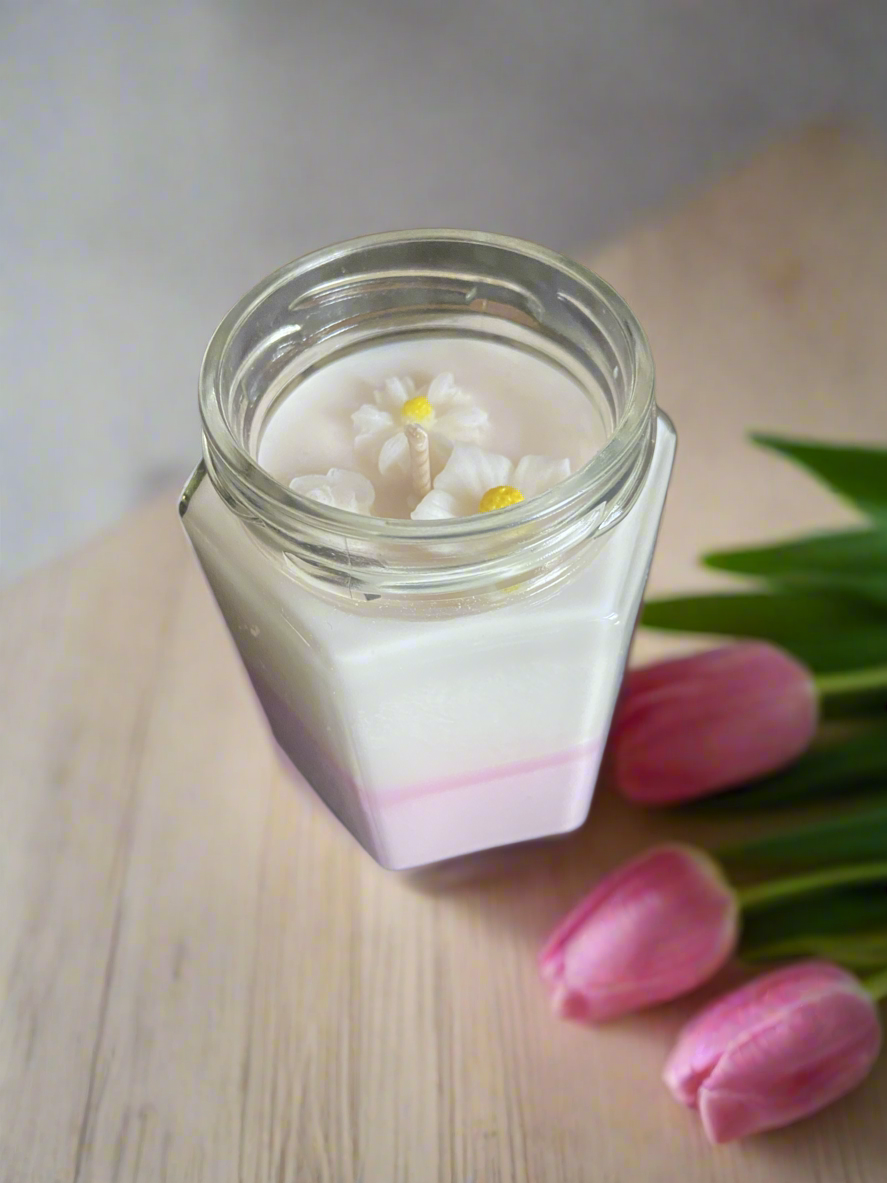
(447, 686)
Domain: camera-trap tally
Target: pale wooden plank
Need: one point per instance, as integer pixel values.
(173, 1056)
(83, 645)
(301, 1100)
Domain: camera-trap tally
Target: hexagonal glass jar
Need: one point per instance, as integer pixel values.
(445, 687)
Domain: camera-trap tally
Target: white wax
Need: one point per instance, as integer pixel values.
(534, 408)
(431, 738)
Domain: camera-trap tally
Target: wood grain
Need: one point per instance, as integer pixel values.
(204, 979)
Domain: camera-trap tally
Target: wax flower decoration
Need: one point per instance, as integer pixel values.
(424, 433)
(476, 481)
(339, 488)
(442, 409)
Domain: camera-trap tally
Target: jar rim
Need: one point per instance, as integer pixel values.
(231, 465)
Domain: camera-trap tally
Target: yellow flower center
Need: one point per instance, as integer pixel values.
(417, 410)
(499, 498)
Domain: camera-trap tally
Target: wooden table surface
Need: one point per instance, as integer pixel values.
(204, 979)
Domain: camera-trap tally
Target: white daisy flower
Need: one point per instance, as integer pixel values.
(444, 410)
(340, 488)
(475, 481)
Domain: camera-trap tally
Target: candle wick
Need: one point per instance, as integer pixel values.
(420, 459)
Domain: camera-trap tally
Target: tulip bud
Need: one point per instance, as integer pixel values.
(776, 1050)
(653, 929)
(692, 726)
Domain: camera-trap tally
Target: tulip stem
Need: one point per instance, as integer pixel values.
(876, 985)
(852, 692)
(763, 894)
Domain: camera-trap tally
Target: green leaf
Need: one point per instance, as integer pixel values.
(850, 561)
(858, 838)
(847, 694)
(858, 474)
(855, 550)
(828, 632)
(834, 912)
(858, 950)
(836, 770)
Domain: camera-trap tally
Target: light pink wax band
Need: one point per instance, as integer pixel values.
(466, 780)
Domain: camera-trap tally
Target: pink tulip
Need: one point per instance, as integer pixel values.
(775, 1050)
(698, 724)
(654, 928)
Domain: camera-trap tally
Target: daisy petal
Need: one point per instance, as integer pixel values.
(395, 453)
(467, 424)
(441, 449)
(371, 425)
(352, 488)
(443, 393)
(394, 393)
(537, 474)
(470, 471)
(316, 487)
(340, 488)
(436, 505)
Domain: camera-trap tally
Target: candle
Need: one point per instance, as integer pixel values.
(356, 415)
(433, 474)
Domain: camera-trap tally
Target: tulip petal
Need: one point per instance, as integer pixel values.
(801, 1060)
(700, 1043)
(834, 770)
(777, 1049)
(699, 724)
(653, 929)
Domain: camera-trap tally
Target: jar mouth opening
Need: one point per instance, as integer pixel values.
(558, 294)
